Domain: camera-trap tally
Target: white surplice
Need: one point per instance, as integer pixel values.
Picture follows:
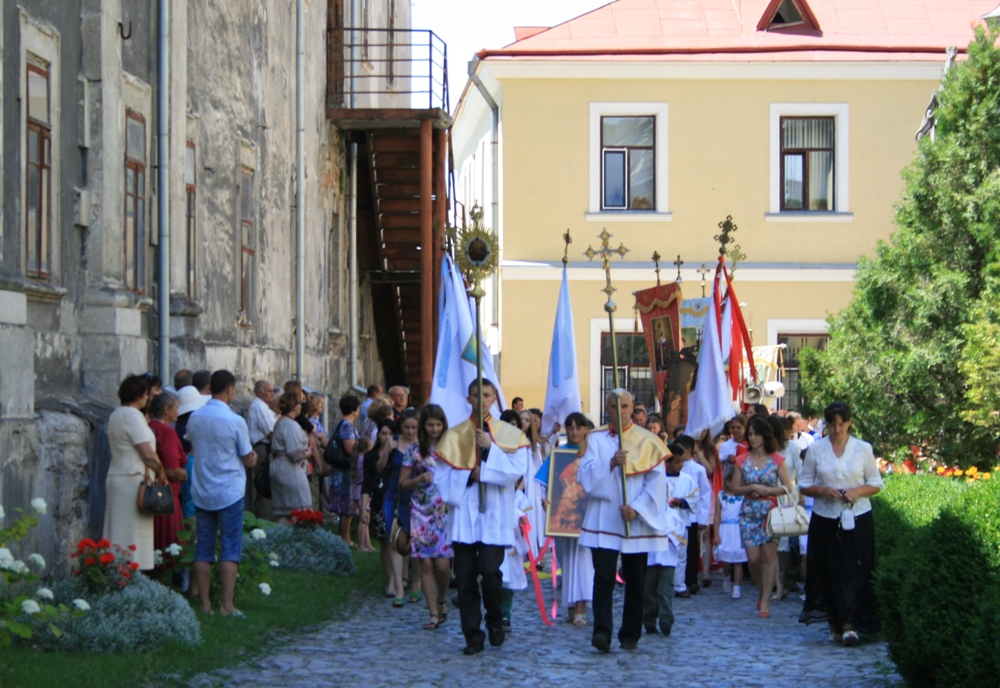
(603, 527)
(499, 473)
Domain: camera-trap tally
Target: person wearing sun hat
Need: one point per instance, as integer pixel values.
(189, 400)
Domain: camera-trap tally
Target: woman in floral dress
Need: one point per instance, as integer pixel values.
(429, 543)
(761, 478)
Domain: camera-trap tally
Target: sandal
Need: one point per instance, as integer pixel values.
(398, 602)
(432, 624)
(580, 620)
(414, 596)
(442, 612)
(389, 594)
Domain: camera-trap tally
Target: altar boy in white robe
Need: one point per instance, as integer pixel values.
(496, 457)
(642, 459)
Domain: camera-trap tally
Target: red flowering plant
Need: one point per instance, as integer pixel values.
(104, 567)
(306, 518)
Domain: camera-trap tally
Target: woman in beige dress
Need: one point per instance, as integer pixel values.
(290, 455)
(133, 453)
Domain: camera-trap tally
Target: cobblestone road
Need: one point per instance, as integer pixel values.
(716, 641)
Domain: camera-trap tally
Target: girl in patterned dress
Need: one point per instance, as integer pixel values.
(761, 477)
(728, 546)
(429, 543)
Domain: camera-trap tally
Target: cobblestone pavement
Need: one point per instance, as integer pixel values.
(716, 641)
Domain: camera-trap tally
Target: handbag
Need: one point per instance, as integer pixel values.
(400, 536)
(788, 518)
(154, 498)
(333, 454)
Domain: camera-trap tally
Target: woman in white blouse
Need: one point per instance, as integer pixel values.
(839, 471)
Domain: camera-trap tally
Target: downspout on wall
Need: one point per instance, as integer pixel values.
(352, 269)
(299, 186)
(163, 189)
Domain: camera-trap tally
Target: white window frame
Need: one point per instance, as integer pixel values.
(40, 42)
(597, 327)
(841, 116)
(659, 111)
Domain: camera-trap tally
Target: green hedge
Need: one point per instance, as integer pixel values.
(937, 579)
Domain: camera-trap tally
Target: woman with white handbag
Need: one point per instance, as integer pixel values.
(839, 471)
(761, 478)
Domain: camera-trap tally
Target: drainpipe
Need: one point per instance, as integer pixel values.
(163, 184)
(299, 186)
(495, 164)
(352, 269)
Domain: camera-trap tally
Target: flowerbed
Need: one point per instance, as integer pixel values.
(938, 578)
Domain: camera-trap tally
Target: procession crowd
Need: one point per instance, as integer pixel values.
(451, 503)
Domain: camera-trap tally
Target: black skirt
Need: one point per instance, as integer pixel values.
(839, 568)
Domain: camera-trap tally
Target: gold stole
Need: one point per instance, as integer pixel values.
(458, 449)
(645, 450)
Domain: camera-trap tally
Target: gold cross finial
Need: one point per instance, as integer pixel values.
(656, 262)
(569, 240)
(605, 253)
(703, 271)
(678, 263)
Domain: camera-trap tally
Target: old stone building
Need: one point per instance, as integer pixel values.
(111, 125)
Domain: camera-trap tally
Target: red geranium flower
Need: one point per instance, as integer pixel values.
(85, 543)
(103, 542)
(132, 547)
(89, 561)
(107, 558)
(134, 566)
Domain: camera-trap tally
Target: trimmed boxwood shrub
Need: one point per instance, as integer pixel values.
(938, 581)
(314, 550)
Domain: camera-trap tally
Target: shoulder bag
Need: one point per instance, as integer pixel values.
(262, 477)
(154, 498)
(334, 454)
(788, 518)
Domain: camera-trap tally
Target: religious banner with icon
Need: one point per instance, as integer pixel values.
(567, 500)
(659, 309)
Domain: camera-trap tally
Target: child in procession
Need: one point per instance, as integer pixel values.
(728, 546)
(661, 565)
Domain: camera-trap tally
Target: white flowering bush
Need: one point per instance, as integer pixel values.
(141, 617)
(26, 613)
(303, 549)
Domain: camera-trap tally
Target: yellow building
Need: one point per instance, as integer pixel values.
(656, 119)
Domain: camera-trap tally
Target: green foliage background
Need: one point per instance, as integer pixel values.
(915, 353)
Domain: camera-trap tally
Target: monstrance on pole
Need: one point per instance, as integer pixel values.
(477, 255)
(605, 253)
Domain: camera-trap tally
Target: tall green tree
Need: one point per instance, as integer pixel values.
(916, 353)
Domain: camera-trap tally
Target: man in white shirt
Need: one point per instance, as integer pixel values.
(468, 457)
(260, 422)
(641, 456)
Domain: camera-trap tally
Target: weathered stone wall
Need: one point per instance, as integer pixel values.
(69, 338)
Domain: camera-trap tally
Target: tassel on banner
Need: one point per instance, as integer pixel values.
(533, 564)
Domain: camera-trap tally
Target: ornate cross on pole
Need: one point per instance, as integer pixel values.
(569, 240)
(679, 263)
(656, 263)
(605, 253)
(703, 271)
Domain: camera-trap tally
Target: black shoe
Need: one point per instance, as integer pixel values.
(693, 588)
(651, 630)
(665, 630)
(683, 595)
(601, 642)
(629, 645)
(473, 649)
(497, 636)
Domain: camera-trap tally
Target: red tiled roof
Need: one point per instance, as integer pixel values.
(727, 30)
